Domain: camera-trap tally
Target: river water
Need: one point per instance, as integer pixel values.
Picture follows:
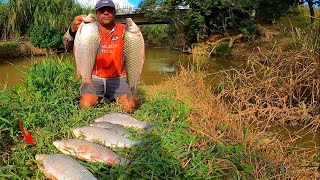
(159, 65)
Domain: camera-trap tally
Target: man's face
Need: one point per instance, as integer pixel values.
(106, 15)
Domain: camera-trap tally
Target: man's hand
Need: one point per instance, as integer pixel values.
(76, 22)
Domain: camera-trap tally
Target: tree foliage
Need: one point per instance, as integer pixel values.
(20, 15)
(199, 19)
(45, 36)
(3, 10)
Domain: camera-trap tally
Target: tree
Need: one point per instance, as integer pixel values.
(311, 4)
(203, 18)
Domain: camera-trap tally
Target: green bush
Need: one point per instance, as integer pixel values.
(155, 34)
(223, 49)
(44, 36)
(200, 19)
(273, 9)
(248, 29)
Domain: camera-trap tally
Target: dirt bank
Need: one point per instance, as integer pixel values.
(21, 48)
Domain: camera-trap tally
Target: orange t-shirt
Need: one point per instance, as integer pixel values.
(109, 62)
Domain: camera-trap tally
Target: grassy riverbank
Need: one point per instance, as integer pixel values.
(205, 132)
(9, 49)
(202, 133)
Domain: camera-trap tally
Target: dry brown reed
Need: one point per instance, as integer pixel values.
(275, 88)
(270, 88)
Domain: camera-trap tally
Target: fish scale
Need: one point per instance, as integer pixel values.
(112, 127)
(124, 120)
(89, 151)
(105, 136)
(86, 46)
(61, 166)
(134, 52)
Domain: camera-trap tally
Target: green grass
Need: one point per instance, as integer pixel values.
(47, 104)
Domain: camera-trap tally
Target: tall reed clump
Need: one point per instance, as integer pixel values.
(307, 38)
(278, 87)
(22, 14)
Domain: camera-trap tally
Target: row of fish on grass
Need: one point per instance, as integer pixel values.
(109, 130)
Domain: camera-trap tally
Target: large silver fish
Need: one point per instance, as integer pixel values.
(61, 166)
(89, 151)
(124, 120)
(86, 47)
(134, 52)
(104, 136)
(112, 127)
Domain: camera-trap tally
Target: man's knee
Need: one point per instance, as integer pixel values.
(88, 100)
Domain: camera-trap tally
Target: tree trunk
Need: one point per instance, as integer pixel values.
(311, 9)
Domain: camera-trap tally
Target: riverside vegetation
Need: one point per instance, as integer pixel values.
(205, 132)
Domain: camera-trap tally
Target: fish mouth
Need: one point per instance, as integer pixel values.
(129, 21)
(40, 157)
(78, 133)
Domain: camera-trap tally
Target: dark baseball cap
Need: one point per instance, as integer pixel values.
(104, 3)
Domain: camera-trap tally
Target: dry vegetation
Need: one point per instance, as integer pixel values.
(273, 88)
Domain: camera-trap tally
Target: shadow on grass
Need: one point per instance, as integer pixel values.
(150, 161)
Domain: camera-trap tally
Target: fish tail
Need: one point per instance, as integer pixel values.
(150, 126)
(130, 161)
(139, 142)
(133, 94)
(124, 161)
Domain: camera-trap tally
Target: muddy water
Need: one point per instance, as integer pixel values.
(303, 138)
(160, 64)
(12, 71)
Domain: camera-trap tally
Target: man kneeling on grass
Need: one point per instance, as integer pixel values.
(109, 75)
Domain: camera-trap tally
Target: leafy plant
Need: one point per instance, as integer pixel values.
(156, 35)
(21, 15)
(45, 36)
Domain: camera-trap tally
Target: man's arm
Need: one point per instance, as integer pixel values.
(68, 40)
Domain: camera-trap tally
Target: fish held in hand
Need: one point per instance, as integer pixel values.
(64, 167)
(86, 47)
(112, 127)
(104, 136)
(124, 120)
(134, 53)
(89, 151)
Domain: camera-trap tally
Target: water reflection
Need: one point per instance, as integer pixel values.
(159, 65)
(12, 71)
